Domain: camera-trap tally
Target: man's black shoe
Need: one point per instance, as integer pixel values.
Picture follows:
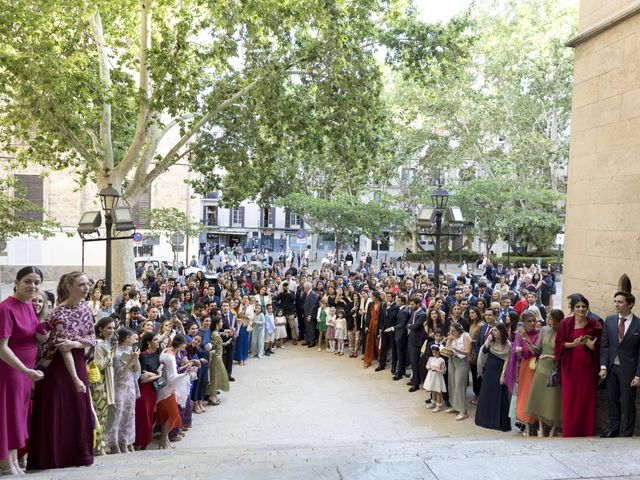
(396, 378)
(413, 389)
(231, 379)
(379, 369)
(610, 434)
(409, 383)
(428, 400)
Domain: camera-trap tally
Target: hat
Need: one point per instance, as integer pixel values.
(435, 347)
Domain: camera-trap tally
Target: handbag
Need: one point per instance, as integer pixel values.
(93, 372)
(533, 363)
(553, 380)
(158, 384)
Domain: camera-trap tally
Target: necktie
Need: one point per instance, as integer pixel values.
(621, 328)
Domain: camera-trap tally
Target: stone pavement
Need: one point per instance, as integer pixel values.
(306, 414)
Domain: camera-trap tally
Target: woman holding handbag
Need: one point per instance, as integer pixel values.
(522, 365)
(546, 402)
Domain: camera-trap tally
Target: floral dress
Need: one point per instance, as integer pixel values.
(123, 431)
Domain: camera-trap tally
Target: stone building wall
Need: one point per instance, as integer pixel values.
(602, 241)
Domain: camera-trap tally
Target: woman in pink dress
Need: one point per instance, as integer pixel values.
(577, 354)
(62, 421)
(18, 349)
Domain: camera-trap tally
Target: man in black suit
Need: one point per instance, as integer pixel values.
(310, 312)
(400, 335)
(228, 331)
(620, 365)
(300, 296)
(387, 337)
(416, 336)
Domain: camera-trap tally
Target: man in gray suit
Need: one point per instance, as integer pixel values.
(620, 365)
(310, 312)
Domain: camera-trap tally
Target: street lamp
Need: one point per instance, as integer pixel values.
(113, 215)
(109, 197)
(439, 200)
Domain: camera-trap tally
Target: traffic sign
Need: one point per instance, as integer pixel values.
(301, 234)
(137, 237)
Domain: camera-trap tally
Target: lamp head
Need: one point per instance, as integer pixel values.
(439, 198)
(109, 197)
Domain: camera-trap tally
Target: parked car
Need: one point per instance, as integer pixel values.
(140, 262)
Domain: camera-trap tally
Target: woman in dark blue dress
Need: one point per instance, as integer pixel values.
(493, 401)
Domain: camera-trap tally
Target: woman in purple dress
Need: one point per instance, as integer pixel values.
(18, 349)
(62, 421)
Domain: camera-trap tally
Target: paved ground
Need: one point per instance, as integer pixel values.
(303, 414)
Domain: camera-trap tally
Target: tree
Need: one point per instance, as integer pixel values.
(17, 213)
(344, 217)
(175, 225)
(498, 206)
(96, 86)
(504, 116)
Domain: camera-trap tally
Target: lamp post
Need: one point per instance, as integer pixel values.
(109, 197)
(439, 199)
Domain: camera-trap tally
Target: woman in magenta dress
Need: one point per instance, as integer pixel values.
(62, 421)
(576, 351)
(18, 349)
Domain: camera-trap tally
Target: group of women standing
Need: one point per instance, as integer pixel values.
(56, 439)
(52, 402)
(544, 378)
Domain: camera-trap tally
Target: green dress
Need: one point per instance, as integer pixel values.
(322, 324)
(218, 378)
(545, 402)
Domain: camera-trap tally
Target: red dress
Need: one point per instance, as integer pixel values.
(579, 374)
(18, 323)
(62, 420)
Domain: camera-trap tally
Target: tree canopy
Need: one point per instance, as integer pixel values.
(269, 88)
(501, 124)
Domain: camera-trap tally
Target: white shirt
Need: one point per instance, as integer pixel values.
(627, 322)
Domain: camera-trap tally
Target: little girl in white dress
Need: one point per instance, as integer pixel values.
(435, 383)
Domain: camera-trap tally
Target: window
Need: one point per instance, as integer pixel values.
(212, 195)
(237, 217)
(294, 220)
(139, 208)
(268, 217)
(33, 191)
(210, 215)
(624, 283)
(143, 251)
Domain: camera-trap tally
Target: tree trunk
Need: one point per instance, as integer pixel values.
(314, 243)
(338, 247)
(414, 240)
(122, 269)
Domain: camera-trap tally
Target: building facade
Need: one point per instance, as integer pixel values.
(602, 230)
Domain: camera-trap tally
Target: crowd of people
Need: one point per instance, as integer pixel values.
(139, 365)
